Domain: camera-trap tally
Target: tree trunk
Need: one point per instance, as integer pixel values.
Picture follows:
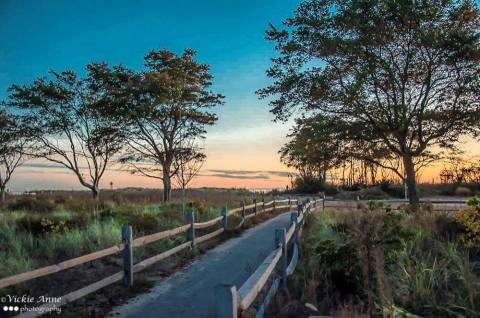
(183, 198)
(95, 193)
(2, 196)
(411, 180)
(167, 184)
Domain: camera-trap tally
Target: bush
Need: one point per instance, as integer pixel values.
(144, 223)
(331, 266)
(384, 263)
(311, 185)
(463, 191)
(435, 279)
(470, 221)
(394, 190)
(32, 204)
(372, 193)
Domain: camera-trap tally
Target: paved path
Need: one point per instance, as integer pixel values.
(190, 293)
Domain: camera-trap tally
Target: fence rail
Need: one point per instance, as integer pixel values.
(231, 301)
(126, 247)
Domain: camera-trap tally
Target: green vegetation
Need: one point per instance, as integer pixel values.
(40, 230)
(382, 262)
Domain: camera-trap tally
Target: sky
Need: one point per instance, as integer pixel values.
(242, 148)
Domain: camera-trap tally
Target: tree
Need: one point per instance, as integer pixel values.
(461, 170)
(66, 118)
(162, 106)
(188, 162)
(12, 146)
(405, 72)
(315, 146)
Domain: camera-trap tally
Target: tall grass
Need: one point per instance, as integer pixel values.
(436, 278)
(66, 227)
(22, 251)
(379, 263)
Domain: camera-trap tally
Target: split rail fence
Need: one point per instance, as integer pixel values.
(232, 301)
(128, 244)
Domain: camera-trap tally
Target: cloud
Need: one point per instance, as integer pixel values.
(232, 176)
(37, 171)
(41, 165)
(245, 174)
(281, 173)
(242, 172)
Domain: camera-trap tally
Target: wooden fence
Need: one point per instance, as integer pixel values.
(433, 204)
(127, 245)
(230, 301)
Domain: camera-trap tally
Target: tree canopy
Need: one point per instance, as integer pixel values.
(315, 146)
(404, 73)
(64, 115)
(164, 108)
(13, 143)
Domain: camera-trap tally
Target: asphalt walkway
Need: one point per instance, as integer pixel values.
(189, 293)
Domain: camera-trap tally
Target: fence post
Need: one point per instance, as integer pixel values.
(224, 217)
(263, 202)
(190, 218)
(300, 212)
(299, 208)
(288, 202)
(127, 255)
(294, 220)
(226, 305)
(323, 203)
(242, 206)
(281, 240)
(255, 207)
(274, 204)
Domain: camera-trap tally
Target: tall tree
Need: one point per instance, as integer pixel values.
(167, 103)
(12, 146)
(406, 72)
(65, 117)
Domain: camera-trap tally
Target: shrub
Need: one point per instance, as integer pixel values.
(144, 223)
(32, 204)
(311, 185)
(372, 193)
(435, 279)
(331, 266)
(463, 191)
(394, 190)
(470, 220)
(396, 265)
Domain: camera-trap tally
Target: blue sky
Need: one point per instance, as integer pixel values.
(228, 35)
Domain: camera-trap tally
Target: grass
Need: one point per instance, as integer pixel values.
(23, 251)
(46, 228)
(379, 262)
